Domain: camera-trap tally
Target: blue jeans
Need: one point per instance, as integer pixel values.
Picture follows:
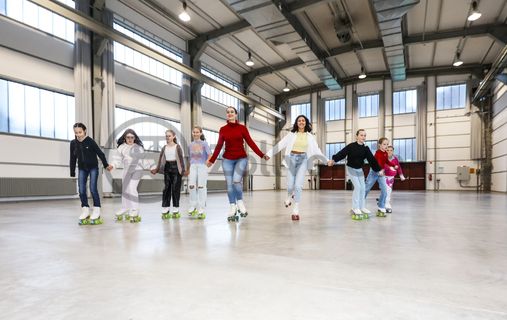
(82, 179)
(234, 171)
(296, 174)
(357, 178)
(370, 181)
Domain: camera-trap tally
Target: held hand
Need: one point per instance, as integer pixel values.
(266, 157)
(381, 173)
(153, 171)
(208, 164)
(402, 178)
(395, 167)
(330, 163)
(185, 173)
(109, 168)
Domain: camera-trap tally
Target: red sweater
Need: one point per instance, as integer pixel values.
(382, 159)
(233, 134)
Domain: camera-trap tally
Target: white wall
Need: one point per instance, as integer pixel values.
(499, 140)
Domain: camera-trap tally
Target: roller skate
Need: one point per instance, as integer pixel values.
(381, 212)
(176, 213)
(233, 213)
(295, 212)
(166, 213)
(242, 209)
(192, 212)
(366, 213)
(121, 215)
(389, 210)
(95, 217)
(201, 215)
(356, 214)
(84, 217)
(134, 216)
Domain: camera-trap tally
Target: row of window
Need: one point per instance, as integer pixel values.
(216, 95)
(404, 149)
(40, 18)
(448, 97)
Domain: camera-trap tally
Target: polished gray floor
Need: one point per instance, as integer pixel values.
(438, 256)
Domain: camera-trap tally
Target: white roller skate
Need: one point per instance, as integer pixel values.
(295, 212)
(192, 211)
(134, 216)
(121, 214)
(201, 215)
(389, 210)
(85, 214)
(242, 209)
(287, 202)
(357, 214)
(381, 212)
(176, 213)
(166, 213)
(366, 213)
(95, 217)
(233, 213)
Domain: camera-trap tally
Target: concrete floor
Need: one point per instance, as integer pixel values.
(438, 256)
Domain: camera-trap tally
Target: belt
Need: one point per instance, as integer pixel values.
(297, 152)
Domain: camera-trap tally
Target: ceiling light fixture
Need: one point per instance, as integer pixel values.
(249, 62)
(362, 75)
(184, 15)
(286, 88)
(457, 61)
(474, 14)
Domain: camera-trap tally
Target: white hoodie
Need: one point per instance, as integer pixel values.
(313, 152)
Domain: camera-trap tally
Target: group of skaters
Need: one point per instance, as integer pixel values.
(301, 150)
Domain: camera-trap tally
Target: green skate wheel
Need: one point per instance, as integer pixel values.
(201, 216)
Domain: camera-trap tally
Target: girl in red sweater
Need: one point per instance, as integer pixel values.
(234, 160)
(382, 159)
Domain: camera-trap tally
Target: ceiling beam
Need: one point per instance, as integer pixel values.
(302, 5)
(475, 69)
(108, 32)
(249, 78)
(197, 45)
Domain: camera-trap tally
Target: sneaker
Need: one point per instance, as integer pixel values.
(364, 210)
(357, 211)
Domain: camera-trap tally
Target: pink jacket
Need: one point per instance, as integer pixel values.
(392, 173)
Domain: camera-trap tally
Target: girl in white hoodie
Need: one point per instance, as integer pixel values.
(301, 150)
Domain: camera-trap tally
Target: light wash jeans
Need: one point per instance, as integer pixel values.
(298, 164)
(357, 178)
(370, 181)
(233, 172)
(197, 181)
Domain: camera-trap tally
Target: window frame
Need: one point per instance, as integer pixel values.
(404, 91)
(327, 107)
(370, 106)
(442, 106)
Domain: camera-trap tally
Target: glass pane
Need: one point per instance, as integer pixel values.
(59, 26)
(15, 9)
(396, 103)
(16, 108)
(375, 105)
(45, 20)
(368, 106)
(447, 98)
(32, 107)
(4, 106)
(440, 98)
(455, 97)
(47, 104)
(403, 102)
(61, 125)
(462, 95)
(31, 14)
(2, 7)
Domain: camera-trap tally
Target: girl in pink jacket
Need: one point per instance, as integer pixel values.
(390, 174)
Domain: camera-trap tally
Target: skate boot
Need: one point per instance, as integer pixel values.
(356, 214)
(192, 212)
(95, 217)
(295, 212)
(389, 210)
(381, 212)
(121, 214)
(366, 213)
(242, 209)
(176, 213)
(134, 216)
(166, 213)
(287, 202)
(201, 215)
(233, 213)
(85, 214)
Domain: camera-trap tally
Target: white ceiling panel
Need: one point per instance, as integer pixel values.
(320, 20)
(415, 17)
(444, 53)
(475, 49)
(363, 21)
(493, 52)
(420, 55)
(373, 60)
(349, 63)
(261, 51)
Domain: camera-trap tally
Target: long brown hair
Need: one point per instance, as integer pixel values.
(132, 132)
(174, 134)
(200, 130)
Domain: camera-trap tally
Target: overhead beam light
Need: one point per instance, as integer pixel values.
(474, 14)
(249, 62)
(184, 15)
(457, 61)
(362, 75)
(286, 88)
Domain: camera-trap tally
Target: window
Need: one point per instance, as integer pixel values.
(139, 61)
(451, 97)
(372, 144)
(404, 149)
(300, 109)
(335, 109)
(37, 112)
(216, 95)
(40, 18)
(333, 148)
(404, 101)
(150, 129)
(368, 105)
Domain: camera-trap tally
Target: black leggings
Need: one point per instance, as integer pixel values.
(172, 181)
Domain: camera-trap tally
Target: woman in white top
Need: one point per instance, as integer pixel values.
(130, 155)
(301, 149)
